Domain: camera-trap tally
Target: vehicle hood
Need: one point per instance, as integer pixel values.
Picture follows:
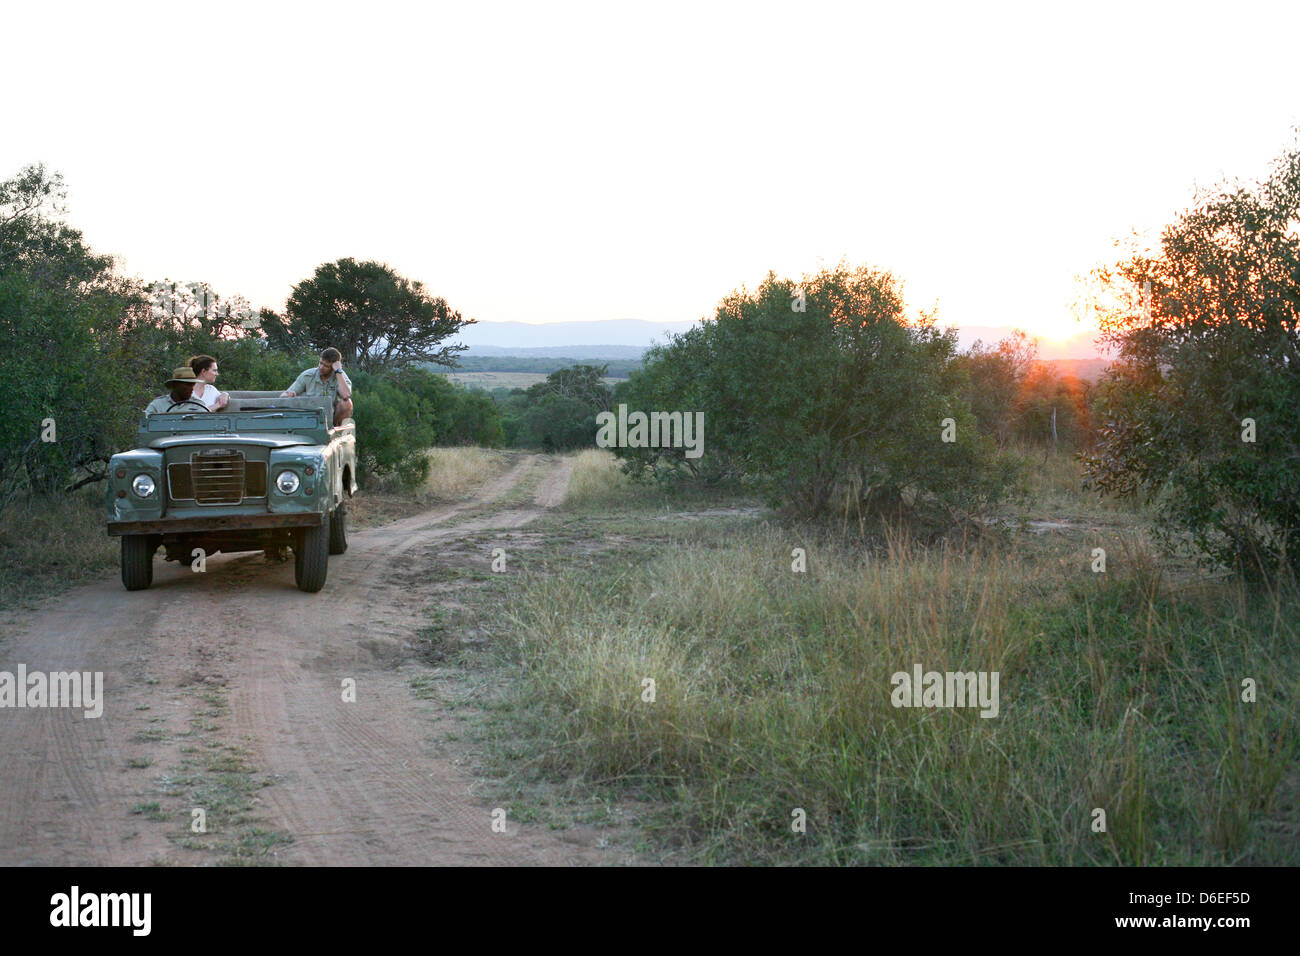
(262, 439)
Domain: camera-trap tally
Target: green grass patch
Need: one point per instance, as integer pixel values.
(1119, 691)
(150, 811)
(49, 544)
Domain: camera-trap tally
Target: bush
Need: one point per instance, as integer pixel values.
(1199, 413)
(1045, 391)
(394, 429)
(558, 414)
(839, 406)
(400, 415)
(674, 376)
(558, 423)
(475, 420)
(993, 381)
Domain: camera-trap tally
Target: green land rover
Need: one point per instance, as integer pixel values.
(262, 474)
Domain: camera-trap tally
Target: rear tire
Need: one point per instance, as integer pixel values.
(339, 529)
(137, 560)
(311, 556)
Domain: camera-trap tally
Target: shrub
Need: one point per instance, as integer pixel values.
(1208, 340)
(475, 420)
(558, 423)
(393, 429)
(839, 404)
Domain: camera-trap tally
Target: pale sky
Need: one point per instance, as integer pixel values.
(543, 162)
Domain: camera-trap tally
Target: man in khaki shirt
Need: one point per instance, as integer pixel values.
(326, 379)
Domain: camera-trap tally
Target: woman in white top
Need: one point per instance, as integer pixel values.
(205, 367)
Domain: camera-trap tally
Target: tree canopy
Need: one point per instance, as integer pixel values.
(1200, 411)
(825, 396)
(376, 318)
(63, 314)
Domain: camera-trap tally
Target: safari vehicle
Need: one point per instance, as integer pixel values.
(261, 474)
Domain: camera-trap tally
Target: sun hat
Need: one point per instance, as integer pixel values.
(183, 374)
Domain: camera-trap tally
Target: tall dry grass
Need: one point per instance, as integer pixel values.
(772, 695)
(48, 543)
(597, 481)
(1053, 479)
(454, 472)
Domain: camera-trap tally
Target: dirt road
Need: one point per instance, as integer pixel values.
(223, 692)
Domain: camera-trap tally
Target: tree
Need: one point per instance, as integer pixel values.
(376, 318)
(827, 398)
(475, 420)
(556, 414)
(675, 375)
(558, 423)
(33, 237)
(63, 315)
(196, 308)
(396, 425)
(582, 382)
(995, 378)
(1200, 412)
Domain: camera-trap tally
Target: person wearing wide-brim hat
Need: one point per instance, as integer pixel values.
(182, 385)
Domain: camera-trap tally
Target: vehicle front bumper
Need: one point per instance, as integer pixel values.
(215, 523)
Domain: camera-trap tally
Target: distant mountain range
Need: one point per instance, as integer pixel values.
(629, 338)
(514, 338)
(601, 352)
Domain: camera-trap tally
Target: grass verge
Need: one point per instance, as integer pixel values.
(49, 544)
(1123, 691)
(454, 474)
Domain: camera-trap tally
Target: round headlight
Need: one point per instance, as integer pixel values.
(287, 482)
(143, 486)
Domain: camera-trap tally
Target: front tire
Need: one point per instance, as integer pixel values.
(137, 560)
(311, 556)
(339, 529)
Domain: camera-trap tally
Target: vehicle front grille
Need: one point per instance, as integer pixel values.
(218, 476)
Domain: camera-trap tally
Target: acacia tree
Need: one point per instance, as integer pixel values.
(376, 318)
(1200, 412)
(584, 383)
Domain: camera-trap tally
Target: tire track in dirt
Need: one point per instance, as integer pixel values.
(356, 783)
